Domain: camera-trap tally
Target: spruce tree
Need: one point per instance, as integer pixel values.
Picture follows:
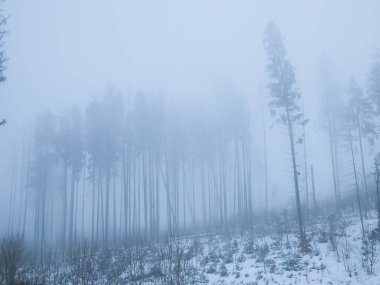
(284, 104)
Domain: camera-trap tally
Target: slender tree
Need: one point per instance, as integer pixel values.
(71, 152)
(305, 165)
(104, 121)
(44, 160)
(333, 114)
(356, 181)
(377, 176)
(315, 204)
(360, 118)
(265, 167)
(284, 104)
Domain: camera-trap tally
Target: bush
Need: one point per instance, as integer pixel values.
(11, 254)
(249, 246)
(292, 263)
(223, 270)
(368, 255)
(82, 265)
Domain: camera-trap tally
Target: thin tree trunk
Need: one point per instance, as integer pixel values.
(193, 191)
(106, 219)
(64, 207)
(93, 208)
(71, 219)
(363, 167)
(356, 182)
(83, 199)
(333, 164)
(305, 170)
(26, 195)
(76, 213)
(378, 194)
(295, 176)
(13, 194)
(203, 195)
(249, 177)
(157, 166)
(265, 168)
(144, 174)
(114, 207)
(126, 190)
(313, 186)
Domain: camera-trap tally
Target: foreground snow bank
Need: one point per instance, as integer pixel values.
(262, 255)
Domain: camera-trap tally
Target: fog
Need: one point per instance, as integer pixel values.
(197, 56)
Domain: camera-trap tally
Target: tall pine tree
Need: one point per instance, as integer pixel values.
(284, 104)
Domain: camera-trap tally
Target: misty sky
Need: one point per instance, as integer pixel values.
(62, 52)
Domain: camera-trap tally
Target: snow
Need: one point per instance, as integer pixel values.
(265, 254)
(284, 265)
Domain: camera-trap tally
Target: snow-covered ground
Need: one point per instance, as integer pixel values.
(276, 260)
(337, 256)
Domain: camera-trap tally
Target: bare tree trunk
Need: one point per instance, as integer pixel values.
(98, 208)
(265, 168)
(296, 187)
(126, 190)
(333, 160)
(134, 219)
(203, 194)
(144, 177)
(313, 186)
(83, 199)
(363, 167)
(152, 204)
(157, 166)
(114, 206)
(244, 199)
(223, 179)
(337, 164)
(378, 193)
(209, 190)
(168, 199)
(76, 212)
(71, 219)
(235, 189)
(305, 169)
(106, 219)
(65, 174)
(26, 195)
(249, 177)
(93, 208)
(138, 195)
(193, 191)
(356, 182)
(186, 196)
(13, 194)
(121, 235)
(43, 202)
(238, 183)
(22, 177)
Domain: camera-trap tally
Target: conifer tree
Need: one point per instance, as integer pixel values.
(284, 104)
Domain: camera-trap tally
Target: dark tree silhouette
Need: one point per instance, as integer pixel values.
(70, 150)
(104, 121)
(360, 118)
(284, 103)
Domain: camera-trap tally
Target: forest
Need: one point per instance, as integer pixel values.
(136, 186)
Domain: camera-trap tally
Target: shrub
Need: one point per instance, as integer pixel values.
(11, 254)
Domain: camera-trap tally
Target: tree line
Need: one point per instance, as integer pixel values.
(125, 170)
